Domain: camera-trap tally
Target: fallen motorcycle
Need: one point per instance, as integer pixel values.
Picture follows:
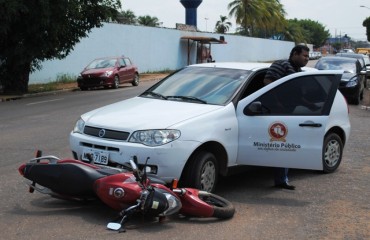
(126, 189)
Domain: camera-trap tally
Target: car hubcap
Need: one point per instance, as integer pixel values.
(208, 176)
(332, 153)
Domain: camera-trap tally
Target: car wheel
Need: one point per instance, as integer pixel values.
(136, 80)
(116, 82)
(332, 152)
(83, 88)
(202, 173)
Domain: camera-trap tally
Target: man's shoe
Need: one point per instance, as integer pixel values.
(285, 186)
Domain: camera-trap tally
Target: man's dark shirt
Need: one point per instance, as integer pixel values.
(281, 68)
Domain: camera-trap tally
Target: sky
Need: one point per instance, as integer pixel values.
(340, 17)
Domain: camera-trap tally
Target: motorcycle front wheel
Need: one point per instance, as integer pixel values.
(222, 208)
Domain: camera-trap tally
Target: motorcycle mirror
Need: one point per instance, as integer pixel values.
(114, 226)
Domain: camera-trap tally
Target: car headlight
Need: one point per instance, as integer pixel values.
(108, 73)
(79, 127)
(154, 137)
(352, 82)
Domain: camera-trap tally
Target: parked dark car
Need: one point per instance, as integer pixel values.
(367, 64)
(108, 72)
(353, 79)
(359, 57)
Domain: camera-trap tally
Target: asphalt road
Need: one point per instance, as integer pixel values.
(324, 206)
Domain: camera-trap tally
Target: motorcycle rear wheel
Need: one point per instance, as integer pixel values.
(223, 208)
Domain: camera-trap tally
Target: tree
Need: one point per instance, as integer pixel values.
(366, 23)
(148, 21)
(127, 17)
(315, 33)
(35, 31)
(294, 32)
(222, 25)
(258, 15)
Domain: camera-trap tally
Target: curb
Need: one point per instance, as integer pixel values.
(7, 98)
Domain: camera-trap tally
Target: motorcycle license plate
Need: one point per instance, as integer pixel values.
(99, 157)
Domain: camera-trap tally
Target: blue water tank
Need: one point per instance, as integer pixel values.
(191, 11)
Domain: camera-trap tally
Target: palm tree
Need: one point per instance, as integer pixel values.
(267, 15)
(294, 32)
(148, 21)
(222, 26)
(127, 17)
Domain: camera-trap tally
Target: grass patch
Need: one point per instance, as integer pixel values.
(63, 81)
(158, 72)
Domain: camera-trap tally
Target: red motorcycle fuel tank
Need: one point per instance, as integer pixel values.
(118, 191)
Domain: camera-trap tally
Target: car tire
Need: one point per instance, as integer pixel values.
(332, 152)
(202, 172)
(116, 82)
(136, 80)
(83, 88)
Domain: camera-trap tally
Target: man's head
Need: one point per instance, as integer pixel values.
(299, 55)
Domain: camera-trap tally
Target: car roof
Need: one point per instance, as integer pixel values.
(112, 57)
(252, 66)
(337, 58)
(352, 55)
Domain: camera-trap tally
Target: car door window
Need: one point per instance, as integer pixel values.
(122, 63)
(307, 95)
(127, 61)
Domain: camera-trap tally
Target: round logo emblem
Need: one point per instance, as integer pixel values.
(101, 133)
(278, 131)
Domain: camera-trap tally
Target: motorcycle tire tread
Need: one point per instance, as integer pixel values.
(222, 208)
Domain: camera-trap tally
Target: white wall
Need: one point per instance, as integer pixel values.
(155, 49)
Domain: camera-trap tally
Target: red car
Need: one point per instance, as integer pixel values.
(108, 72)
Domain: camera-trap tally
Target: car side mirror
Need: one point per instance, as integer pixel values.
(252, 109)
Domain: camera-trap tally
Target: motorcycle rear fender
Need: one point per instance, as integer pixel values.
(192, 205)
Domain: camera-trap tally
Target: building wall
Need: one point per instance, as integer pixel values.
(157, 49)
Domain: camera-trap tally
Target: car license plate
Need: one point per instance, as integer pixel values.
(99, 157)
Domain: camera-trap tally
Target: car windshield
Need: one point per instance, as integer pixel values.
(338, 64)
(102, 63)
(200, 85)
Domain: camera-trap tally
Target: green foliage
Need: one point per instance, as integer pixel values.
(366, 23)
(258, 17)
(148, 21)
(314, 32)
(127, 17)
(66, 78)
(294, 32)
(60, 83)
(35, 31)
(222, 25)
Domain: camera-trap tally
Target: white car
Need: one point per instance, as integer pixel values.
(206, 119)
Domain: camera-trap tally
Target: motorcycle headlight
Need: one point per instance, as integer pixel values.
(154, 138)
(79, 127)
(174, 205)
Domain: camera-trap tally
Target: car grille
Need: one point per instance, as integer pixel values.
(106, 133)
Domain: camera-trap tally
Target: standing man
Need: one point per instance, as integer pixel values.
(298, 58)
